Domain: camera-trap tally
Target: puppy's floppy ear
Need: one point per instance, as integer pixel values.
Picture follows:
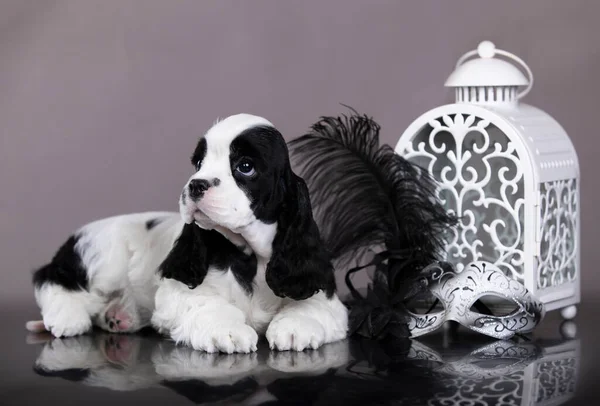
(188, 260)
(300, 266)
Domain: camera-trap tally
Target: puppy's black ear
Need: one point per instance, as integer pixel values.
(188, 260)
(300, 266)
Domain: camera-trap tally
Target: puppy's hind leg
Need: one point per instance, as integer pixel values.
(66, 312)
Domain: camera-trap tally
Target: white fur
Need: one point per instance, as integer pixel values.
(122, 258)
(308, 323)
(226, 205)
(67, 313)
(218, 316)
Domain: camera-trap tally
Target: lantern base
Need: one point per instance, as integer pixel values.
(569, 312)
(568, 329)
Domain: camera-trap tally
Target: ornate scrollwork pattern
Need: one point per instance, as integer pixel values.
(556, 379)
(558, 230)
(481, 180)
(504, 390)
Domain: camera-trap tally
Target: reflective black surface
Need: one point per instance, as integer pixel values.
(446, 368)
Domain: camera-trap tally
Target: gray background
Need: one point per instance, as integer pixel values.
(101, 102)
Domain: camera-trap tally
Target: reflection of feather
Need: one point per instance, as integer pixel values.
(364, 196)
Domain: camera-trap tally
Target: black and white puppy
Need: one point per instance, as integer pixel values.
(243, 257)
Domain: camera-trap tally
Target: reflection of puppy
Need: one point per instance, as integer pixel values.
(241, 378)
(181, 363)
(317, 362)
(243, 257)
(117, 362)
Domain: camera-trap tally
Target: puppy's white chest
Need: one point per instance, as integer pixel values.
(261, 306)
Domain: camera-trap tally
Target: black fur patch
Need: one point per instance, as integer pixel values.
(72, 374)
(226, 255)
(300, 265)
(196, 250)
(199, 153)
(66, 268)
(150, 224)
(266, 149)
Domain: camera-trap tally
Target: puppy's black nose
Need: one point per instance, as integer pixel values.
(198, 187)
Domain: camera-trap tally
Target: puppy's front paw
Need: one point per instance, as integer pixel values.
(237, 337)
(295, 333)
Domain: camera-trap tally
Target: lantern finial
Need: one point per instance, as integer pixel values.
(486, 49)
(488, 80)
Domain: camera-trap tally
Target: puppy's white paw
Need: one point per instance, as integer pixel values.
(295, 333)
(67, 322)
(237, 337)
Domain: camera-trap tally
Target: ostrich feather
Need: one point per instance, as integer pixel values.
(366, 197)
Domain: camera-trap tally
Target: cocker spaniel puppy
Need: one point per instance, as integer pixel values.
(242, 258)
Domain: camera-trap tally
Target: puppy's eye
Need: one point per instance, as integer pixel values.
(246, 168)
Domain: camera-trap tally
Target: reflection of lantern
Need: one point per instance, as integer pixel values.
(504, 372)
(511, 173)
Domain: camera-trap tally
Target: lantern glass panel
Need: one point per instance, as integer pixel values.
(558, 253)
(480, 178)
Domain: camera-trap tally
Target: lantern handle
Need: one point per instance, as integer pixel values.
(487, 49)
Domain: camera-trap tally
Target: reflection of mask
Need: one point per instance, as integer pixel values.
(493, 360)
(458, 291)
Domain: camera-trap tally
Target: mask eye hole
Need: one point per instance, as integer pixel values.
(424, 303)
(494, 305)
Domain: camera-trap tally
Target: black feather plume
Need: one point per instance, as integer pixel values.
(366, 196)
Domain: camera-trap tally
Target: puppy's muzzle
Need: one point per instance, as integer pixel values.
(197, 187)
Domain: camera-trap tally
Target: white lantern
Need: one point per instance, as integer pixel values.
(511, 173)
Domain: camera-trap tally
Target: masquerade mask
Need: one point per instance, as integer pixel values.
(458, 291)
